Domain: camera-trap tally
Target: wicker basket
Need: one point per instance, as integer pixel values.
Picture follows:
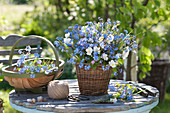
(24, 81)
(93, 82)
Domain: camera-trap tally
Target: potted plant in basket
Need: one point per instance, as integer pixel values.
(96, 49)
(32, 73)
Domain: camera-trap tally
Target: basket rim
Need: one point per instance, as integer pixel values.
(99, 65)
(13, 74)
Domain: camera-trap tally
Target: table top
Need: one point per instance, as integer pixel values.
(139, 104)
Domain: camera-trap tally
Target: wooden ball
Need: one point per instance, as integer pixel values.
(58, 90)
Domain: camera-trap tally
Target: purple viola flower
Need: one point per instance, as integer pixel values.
(96, 58)
(103, 67)
(53, 65)
(118, 22)
(121, 96)
(100, 61)
(32, 75)
(14, 69)
(57, 43)
(111, 87)
(39, 61)
(26, 67)
(56, 69)
(129, 97)
(115, 73)
(81, 65)
(126, 31)
(20, 51)
(48, 71)
(76, 51)
(37, 69)
(44, 67)
(36, 55)
(32, 68)
(22, 70)
(22, 57)
(19, 63)
(87, 67)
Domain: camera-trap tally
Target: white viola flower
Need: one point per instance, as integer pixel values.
(110, 39)
(118, 55)
(67, 40)
(97, 49)
(113, 100)
(28, 48)
(105, 56)
(83, 29)
(125, 53)
(89, 51)
(67, 35)
(112, 63)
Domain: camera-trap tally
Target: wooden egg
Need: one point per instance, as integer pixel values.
(58, 90)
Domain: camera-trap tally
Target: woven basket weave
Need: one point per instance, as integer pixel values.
(93, 82)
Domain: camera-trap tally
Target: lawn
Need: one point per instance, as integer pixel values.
(163, 107)
(8, 109)
(14, 13)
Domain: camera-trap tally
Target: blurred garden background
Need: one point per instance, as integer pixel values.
(148, 20)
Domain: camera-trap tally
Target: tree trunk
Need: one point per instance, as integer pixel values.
(106, 10)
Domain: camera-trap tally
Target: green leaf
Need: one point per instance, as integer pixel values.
(120, 61)
(142, 67)
(146, 41)
(142, 75)
(157, 2)
(152, 57)
(146, 51)
(147, 66)
(148, 73)
(148, 60)
(124, 10)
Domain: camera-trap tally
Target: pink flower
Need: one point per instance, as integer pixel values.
(93, 62)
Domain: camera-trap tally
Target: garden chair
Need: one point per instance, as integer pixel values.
(10, 41)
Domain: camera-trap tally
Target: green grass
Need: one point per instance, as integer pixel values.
(14, 13)
(8, 109)
(163, 107)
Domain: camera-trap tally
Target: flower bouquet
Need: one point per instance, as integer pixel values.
(96, 49)
(32, 73)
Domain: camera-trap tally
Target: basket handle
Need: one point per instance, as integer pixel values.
(33, 36)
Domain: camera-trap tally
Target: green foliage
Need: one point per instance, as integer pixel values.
(4, 85)
(22, 1)
(4, 26)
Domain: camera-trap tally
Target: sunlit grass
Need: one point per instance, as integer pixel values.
(5, 96)
(163, 107)
(14, 13)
